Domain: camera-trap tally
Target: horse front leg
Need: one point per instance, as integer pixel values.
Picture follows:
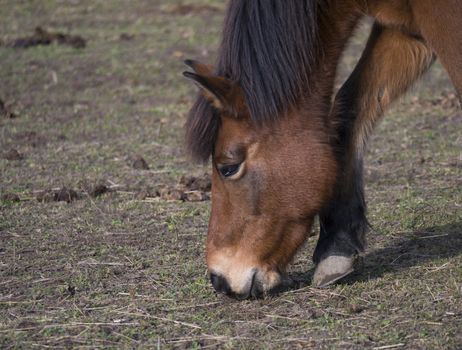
(390, 63)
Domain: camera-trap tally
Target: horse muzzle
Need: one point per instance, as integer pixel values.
(255, 285)
(253, 291)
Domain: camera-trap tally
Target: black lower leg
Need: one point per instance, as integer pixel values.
(343, 222)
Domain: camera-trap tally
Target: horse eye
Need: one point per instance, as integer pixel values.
(229, 170)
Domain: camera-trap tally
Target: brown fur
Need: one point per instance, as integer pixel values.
(290, 168)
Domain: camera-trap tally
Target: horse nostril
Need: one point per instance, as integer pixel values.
(215, 280)
(219, 283)
(255, 287)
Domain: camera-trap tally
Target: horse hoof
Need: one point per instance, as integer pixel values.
(331, 269)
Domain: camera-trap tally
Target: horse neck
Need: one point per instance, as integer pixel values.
(337, 20)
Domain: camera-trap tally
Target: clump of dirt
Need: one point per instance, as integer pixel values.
(196, 196)
(31, 138)
(98, 190)
(190, 189)
(143, 194)
(63, 194)
(447, 100)
(94, 189)
(169, 194)
(10, 197)
(186, 9)
(71, 290)
(13, 154)
(45, 196)
(6, 112)
(44, 37)
(139, 163)
(126, 36)
(66, 195)
(197, 183)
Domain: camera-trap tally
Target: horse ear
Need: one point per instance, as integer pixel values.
(218, 90)
(199, 68)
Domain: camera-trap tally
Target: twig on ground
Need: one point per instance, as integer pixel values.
(191, 306)
(144, 296)
(187, 324)
(389, 346)
(95, 262)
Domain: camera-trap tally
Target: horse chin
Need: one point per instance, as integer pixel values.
(269, 280)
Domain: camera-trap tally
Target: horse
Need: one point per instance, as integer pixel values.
(283, 149)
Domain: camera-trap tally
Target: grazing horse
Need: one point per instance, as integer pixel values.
(282, 153)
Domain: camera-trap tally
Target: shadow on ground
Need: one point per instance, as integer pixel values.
(410, 249)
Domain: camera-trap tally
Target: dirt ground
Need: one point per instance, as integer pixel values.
(102, 229)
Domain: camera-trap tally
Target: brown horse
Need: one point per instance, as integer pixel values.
(282, 153)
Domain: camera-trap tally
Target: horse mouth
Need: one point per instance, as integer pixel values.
(256, 289)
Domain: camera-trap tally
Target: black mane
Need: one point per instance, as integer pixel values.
(268, 46)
